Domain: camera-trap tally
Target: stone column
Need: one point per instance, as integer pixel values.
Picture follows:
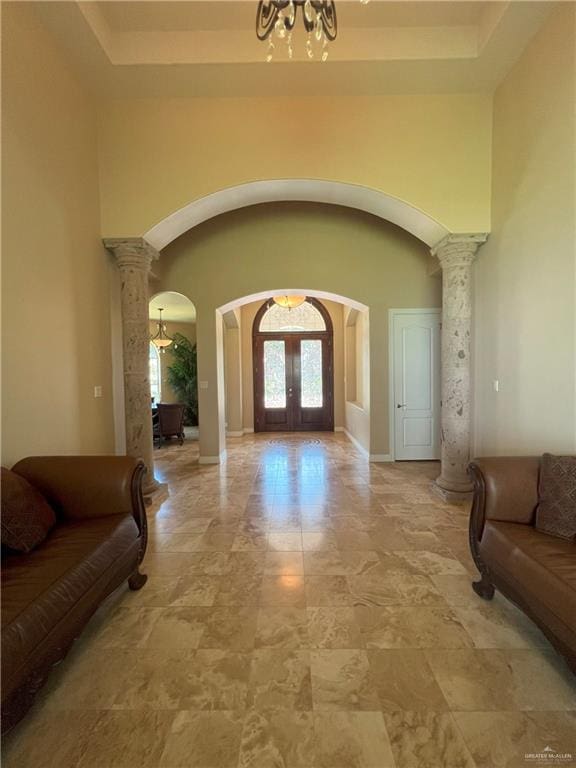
(456, 254)
(134, 257)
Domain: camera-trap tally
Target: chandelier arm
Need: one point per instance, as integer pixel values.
(267, 16)
(329, 21)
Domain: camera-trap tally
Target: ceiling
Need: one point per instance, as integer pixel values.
(177, 308)
(209, 48)
(214, 15)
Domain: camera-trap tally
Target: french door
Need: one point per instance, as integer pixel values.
(293, 382)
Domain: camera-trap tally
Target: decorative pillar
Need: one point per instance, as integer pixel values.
(134, 257)
(456, 254)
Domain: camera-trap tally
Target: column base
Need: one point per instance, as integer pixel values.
(452, 495)
(151, 487)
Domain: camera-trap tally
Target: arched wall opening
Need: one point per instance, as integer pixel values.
(238, 320)
(179, 320)
(176, 313)
(327, 251)
(361, 198)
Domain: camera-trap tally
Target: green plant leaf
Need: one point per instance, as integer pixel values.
(183, 376)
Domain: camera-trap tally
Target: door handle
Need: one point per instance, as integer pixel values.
(401, 405)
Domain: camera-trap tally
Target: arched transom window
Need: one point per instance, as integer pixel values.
(305, 317)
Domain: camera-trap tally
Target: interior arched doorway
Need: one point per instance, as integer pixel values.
(293, 366)
(172, 365)
(241, 320)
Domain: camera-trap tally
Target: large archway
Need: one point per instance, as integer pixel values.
(454, 252)
(366, 199)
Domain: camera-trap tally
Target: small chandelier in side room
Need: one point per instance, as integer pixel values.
(161, 340)
(276, 19)
(289, 302)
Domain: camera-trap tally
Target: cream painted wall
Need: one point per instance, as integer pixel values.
(249, 311)
(357, 354)
(314, 247)
(186, 329)
(233, 378)
(432, 151)
(525, 274)
(55, 273)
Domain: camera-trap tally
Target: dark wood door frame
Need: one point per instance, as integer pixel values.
(293, 417)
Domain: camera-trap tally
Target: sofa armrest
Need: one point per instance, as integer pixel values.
(505, 489)
(88, 486)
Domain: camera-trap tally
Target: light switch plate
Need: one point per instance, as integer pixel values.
(203, 384)
(496, 385)
(97, 391)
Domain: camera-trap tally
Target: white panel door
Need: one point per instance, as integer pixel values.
(416, 351)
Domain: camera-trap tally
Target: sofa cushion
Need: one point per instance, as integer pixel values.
(540, 568)
(40, 589)
(27, 518)
(556, 512)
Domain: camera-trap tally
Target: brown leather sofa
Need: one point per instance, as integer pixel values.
(49, 594)
(535, 570)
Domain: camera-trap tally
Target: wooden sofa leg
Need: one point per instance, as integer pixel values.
(484, 588)
(137, 580)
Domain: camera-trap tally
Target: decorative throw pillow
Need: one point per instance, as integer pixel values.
(556, 511)
(26, 515)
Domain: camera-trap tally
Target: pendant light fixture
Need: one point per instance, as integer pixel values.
(289, 302)
(161, 340)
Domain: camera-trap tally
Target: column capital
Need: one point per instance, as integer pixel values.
(458, 249)
(131, 251)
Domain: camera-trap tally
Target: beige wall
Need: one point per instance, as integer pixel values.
(233, 381)
(55, 273)
(432, 151)
(186, 329)
(271, 247)
(335, 310)
(357, 420)
(525, 274)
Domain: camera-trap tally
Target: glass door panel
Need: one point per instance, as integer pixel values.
(311, 385)
(274, 374)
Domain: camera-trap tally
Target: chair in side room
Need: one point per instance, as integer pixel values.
(170, 422)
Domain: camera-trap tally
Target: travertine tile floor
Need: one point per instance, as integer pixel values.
(304, 609)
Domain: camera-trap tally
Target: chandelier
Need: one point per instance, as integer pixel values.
(277, 18)
(161, 340)
(289, 302)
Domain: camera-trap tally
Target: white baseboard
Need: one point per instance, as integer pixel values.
(209, 460)
(358, 445)
(213, 459)
(240, 432)
(381, 458)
